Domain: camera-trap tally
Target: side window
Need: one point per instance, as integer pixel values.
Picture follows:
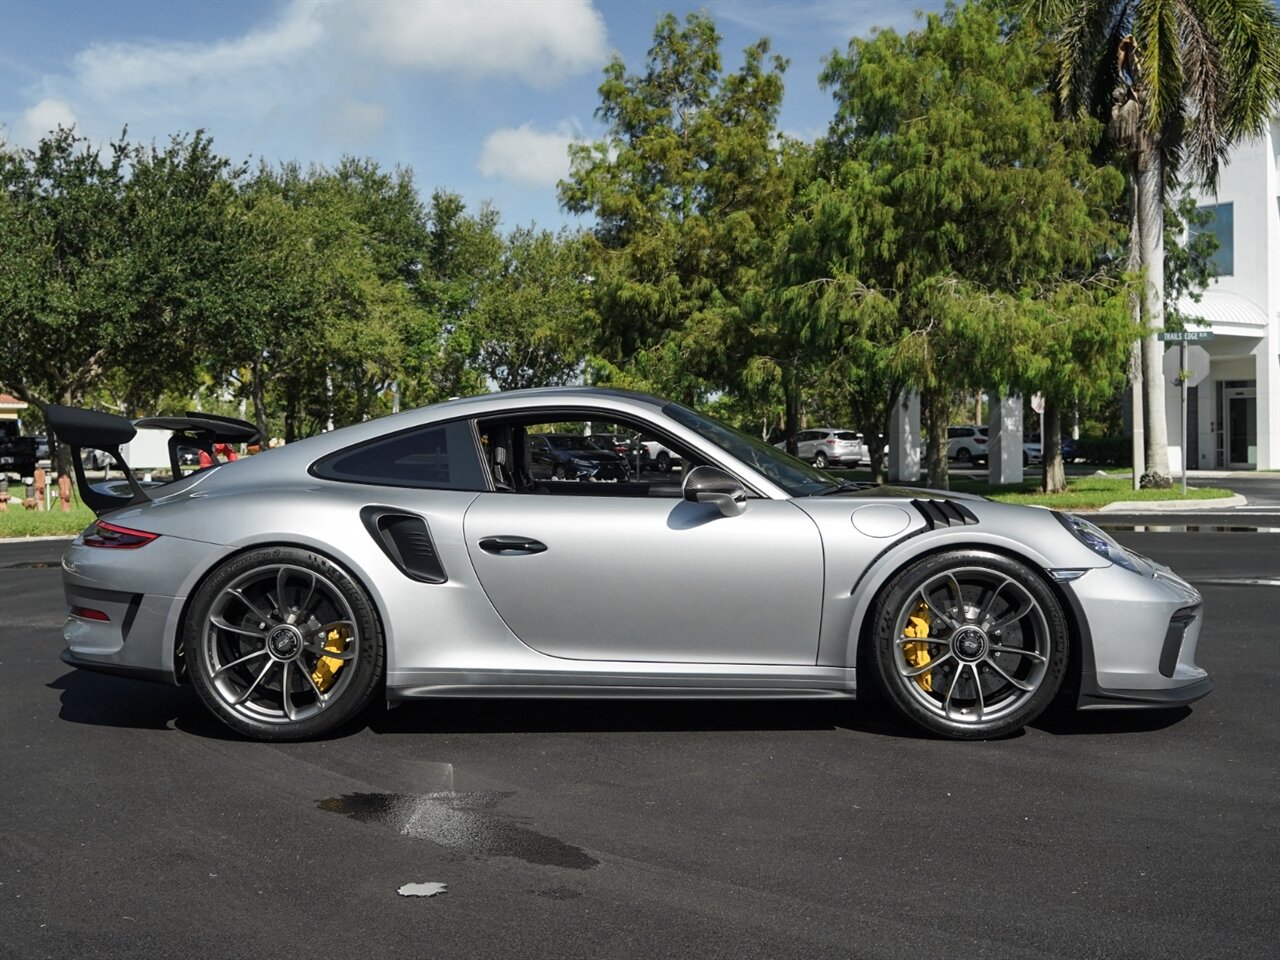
(441, 456)
(560, 453)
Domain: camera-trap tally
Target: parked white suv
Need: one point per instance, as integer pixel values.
(967, 443)
(1030, 448)
(830, 446)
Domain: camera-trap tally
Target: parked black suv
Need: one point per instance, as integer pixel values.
(17, 453)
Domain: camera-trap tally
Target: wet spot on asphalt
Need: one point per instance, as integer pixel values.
(463, 821)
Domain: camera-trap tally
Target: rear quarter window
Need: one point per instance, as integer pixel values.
(440, 456)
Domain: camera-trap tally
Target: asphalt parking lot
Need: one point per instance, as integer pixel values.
(138, 827)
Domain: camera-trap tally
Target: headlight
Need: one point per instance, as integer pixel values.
(1097, 540)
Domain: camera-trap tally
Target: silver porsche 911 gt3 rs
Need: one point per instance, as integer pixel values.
(424, 555)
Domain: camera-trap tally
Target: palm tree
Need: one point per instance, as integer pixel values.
(1178, 83)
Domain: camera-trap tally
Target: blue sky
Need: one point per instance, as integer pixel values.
(478, 97)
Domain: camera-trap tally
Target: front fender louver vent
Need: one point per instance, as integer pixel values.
(944, 513)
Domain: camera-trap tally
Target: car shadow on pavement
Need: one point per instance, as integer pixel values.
(518, 715)
(1068, 723)
(99, 700)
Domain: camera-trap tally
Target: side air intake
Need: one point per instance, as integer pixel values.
(944, 513)
(406, 540)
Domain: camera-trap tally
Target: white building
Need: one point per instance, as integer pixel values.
(1233, 416)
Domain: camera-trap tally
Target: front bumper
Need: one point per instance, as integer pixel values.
(1139, 637)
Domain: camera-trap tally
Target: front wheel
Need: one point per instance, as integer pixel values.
(969, 644)
(282, 644)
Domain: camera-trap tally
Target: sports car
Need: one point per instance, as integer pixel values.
(418, 556)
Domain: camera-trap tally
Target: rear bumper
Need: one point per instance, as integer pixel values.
(70, 658)
(142, 594)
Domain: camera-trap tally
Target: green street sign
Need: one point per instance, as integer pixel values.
(1186, 335)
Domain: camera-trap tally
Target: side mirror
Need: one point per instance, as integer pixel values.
(713, 485)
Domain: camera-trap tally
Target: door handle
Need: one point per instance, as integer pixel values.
(511, 545)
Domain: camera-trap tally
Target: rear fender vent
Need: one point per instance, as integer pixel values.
(406, 540)
(944, 513)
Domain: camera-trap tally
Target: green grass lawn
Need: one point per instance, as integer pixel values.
(1083, 493)
(17, 522)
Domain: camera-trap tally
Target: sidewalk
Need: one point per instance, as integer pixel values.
(1170, 506)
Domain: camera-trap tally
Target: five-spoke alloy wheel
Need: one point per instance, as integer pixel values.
(970, 644)
(282, 644)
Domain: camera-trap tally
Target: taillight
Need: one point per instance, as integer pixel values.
(88, 613)
(103, 534)
(831, 442)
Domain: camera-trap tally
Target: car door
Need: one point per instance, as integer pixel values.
(683, 582)
(804, 444)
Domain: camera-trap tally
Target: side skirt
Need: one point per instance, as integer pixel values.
(715, 683)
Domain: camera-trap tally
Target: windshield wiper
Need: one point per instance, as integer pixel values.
(842, 486)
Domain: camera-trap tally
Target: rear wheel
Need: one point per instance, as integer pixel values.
(820, 460)
(963, 455)
(970, 645)
(663, 462)
(283, 645)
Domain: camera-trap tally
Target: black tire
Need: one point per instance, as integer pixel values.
(236, 623)
(963, 455)
(557, 472)
(663, 462)
(820, 460)
(994, 670)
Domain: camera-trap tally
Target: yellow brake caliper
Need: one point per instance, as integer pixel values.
(327, 667)
(917, 654)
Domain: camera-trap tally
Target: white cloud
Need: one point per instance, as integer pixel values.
(537, 41)
(841, 19)
(42, 118)
(121, 68)
(323, 72)
(525, 155)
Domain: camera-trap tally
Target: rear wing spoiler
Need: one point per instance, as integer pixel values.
(92, 429)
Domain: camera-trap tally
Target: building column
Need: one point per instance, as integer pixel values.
(1267, 392)
(904, 439)
(1004, 439)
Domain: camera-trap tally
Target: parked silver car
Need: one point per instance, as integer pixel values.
(830, 446)
(417, 556)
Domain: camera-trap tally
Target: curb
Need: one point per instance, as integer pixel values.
(1172, 506)
(4, 540)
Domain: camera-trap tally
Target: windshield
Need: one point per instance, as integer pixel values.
(792, 475)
